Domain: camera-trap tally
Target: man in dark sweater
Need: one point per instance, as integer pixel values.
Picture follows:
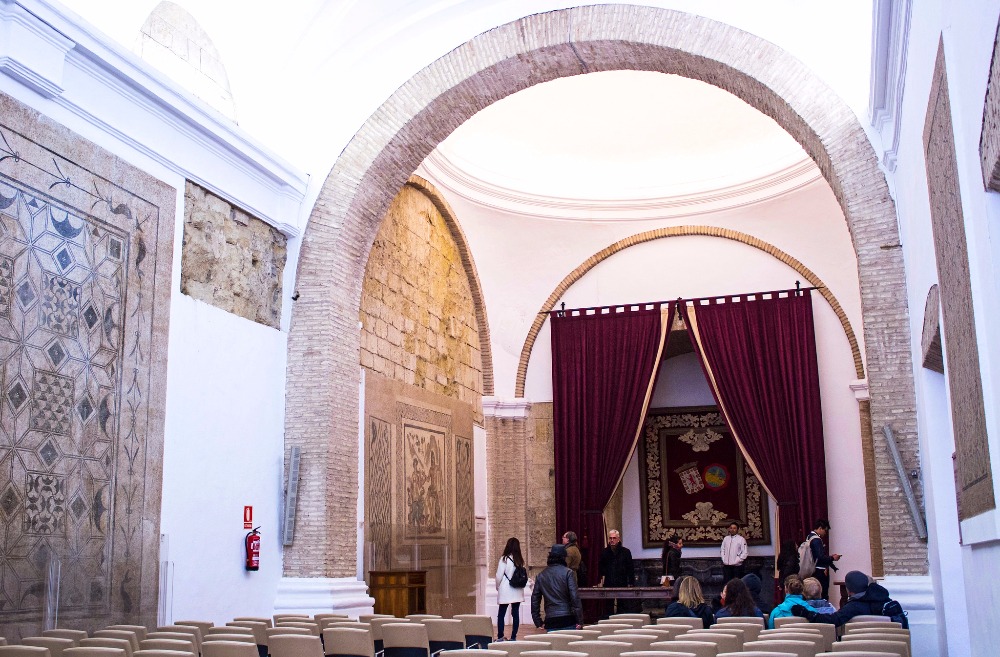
(866, 598)
(616, 569)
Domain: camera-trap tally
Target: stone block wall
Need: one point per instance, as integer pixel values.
(231, 259)
(418, 316)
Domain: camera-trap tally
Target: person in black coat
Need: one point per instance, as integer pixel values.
(616, 569)
(867, 597)
(672, 557)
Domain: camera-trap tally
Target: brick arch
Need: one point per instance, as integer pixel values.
(322, 375)
(471, 273)
(682, 231)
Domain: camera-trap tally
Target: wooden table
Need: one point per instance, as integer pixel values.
(625, 592)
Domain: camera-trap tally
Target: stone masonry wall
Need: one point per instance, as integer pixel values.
(230, 259)
(417, 314)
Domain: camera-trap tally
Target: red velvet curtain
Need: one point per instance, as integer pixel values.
(603, 368)
(759, 356)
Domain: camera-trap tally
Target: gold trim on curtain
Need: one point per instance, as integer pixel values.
(664, 331)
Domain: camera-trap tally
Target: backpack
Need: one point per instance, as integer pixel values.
(895, 612)
(807, 562)
(520, 577)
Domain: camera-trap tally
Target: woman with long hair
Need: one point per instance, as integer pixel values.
(737, 601)
(689, 602)
(507, 594)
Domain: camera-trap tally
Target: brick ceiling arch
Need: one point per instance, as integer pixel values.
(323, 344)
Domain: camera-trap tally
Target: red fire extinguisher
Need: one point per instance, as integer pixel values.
(253, 549)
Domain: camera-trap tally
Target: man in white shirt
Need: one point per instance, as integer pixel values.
(734, 553)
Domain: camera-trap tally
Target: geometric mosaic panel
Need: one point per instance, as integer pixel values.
(82, 263)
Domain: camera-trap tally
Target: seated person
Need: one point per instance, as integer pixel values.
(812, 592)
(737, 601)
(753, 583)
(793, 596)
(689, 602)
(866, 598)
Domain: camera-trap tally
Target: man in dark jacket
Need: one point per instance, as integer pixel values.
(557, 585)
(866, 598)
(616, 569)
(824, 561)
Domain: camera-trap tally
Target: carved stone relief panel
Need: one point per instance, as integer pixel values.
(85, 251)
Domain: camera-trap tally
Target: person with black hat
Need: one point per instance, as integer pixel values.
(557, 585)
(867, 597)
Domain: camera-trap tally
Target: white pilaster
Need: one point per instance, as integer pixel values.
(916, 594)
(311, 595)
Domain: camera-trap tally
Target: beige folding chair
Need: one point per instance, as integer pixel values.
(599, 648)
(668, 653)
(238, 638)
(140, 630)
(646, 620)
(552, 653)
(403, 639)
(735, 632)
(105, 642)
(350, 642)
(477, 653)
(665, 632)
(289, 616)
(257, 628)
(788, 620)
(854, 625)
(755, 620)
(228, 649)
(856, 653)
(55, 645)
(3, 641)
(585, 635)
(319, 618)
(255, 619)
(797, 648)
(865, 636)
(515, 648)
(93, 652)
(687, 621)
(768, 653)
(556, 641)
(478, 629)
(724, 642)
(228, 630)
(280, 631)
(203, 626)
(367, 618)
(619, 620)
(419, 618)
(194, 632)
(73, 635)
(24, 651)
(750, 630)
(696, 648)
(167, 644)
(376, 628)
(636, 641)
(128, 635)
(444, 634)
(816, 638)
(295, 645)
(164, 653)
(607, 627)
(349, 625)
(870, 618)
(896, 648)
(173, 636)
(827, 632)
(313, 627)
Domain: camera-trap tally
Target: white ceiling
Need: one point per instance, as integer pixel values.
(620, 135)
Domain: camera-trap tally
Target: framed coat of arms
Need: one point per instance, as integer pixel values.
(694, 480)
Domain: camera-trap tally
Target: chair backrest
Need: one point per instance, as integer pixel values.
(223, 630)
(367, 618)
(319, 618)
(725, 642)
(239, 638)
(854, 653)
(687, 621)
(750, 630)
(825, 630)
(399, 639)
(106, 642)
(851, 638)
(515, 648)
(203, 626)
(229, 649)
(282, 631)
(174, 636)
(258, 628)
(312, 626)
(670, 653)
(585, 635)
(788, 620)
(855, 624)
(873, 645)
(619, 620)
(730, 630)
(128, 635)
(289, 616)
(422, 617)
(165, 653)
(815, 638)
(56, 645)
(552, 653)
(556, 641)
(477, 653)
(607, 627)
(295, 645)
(798, 648)
(742, 620)
(73, 635)
(349, 641)
(93, 651)
(24, 651)
(166, 644)
(599, 648)
(871, 618)
(643, 617)
(449, 630)
(637, 641)
(696, 648)
(255, 619)
(140, 630)
(183, 629)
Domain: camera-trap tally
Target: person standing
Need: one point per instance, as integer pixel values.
(616, 568)
(672, 557)
(823, 560)
(557, 586)
(574, 559)
(734, 553)
(507, 594)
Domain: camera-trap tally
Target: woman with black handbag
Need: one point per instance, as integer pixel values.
(507, 594)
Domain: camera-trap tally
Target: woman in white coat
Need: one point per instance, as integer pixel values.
(507, 594)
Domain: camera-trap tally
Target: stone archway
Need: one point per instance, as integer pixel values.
(322, 386)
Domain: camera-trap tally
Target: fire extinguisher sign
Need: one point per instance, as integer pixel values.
(247, 517)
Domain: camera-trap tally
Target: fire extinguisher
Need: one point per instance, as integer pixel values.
(253, 549)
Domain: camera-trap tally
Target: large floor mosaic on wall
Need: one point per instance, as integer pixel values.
(85, 263)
